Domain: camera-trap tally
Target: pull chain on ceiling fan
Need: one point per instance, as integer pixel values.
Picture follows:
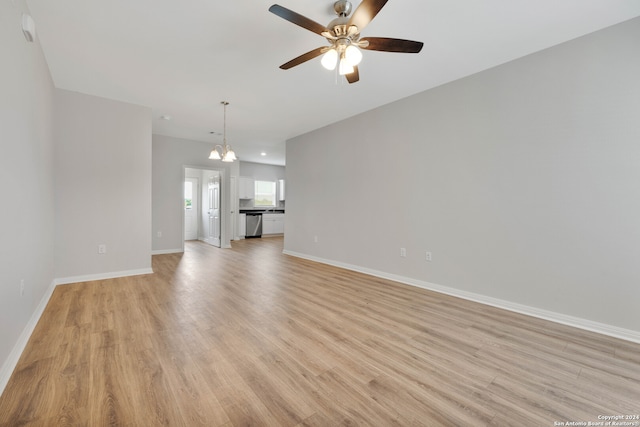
(343, 35)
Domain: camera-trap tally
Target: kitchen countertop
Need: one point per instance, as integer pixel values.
(262, 211)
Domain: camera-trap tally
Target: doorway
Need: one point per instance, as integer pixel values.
(191, 203)
(202, 218)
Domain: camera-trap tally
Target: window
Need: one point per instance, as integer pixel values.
(188, 194)
(265, 194)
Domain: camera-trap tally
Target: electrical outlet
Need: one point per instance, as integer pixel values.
(22, 287)
(159, 234)
(315, 239)
(403, 252)
(102, 249)
(428, 256)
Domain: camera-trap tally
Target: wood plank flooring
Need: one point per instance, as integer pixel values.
(249, 336)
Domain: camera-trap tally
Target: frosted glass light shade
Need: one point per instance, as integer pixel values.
(214, 155)
(353, 55)
(330, 59)
(230, 156)
(345, 67)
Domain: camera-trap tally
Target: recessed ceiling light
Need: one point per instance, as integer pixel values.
(263, 154)
(165, 117)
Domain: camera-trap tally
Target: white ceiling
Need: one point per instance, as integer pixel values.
(181, 58)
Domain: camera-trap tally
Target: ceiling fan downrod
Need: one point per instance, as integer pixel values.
(342, 8)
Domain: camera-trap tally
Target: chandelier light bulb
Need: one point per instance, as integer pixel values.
(330, 59)
(230, 156)
(214, 155)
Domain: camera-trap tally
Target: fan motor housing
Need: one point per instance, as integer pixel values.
(339, 26)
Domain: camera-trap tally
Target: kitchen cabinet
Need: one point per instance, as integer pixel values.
(246, 188)
(272, 223)
(242, 225)
(281, 190)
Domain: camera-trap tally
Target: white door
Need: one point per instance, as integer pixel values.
(191, 208)
(213, 196)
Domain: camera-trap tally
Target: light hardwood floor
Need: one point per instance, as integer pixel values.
(249, 336)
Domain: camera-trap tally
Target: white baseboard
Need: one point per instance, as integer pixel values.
(589, 325)
(167, 251)
(102, 276)
(12, 361)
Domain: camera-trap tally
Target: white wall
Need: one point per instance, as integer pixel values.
(102, 185)
(262, 171)
(170, 156)
(26, 182)
(523, 181)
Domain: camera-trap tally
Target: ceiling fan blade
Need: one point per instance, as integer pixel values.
(392, 45)
(304, 58)
(297, 19)
(354, 76)
(365, 13)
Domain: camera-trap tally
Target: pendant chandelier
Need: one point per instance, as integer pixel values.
(225, 153)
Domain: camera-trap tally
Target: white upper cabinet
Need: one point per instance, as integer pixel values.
(246, 188)
(281, 190)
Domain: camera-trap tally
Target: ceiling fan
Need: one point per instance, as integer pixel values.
(343, 35)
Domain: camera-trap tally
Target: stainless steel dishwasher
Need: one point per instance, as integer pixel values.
(254, 224)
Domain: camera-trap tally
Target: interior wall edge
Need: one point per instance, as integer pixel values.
(563, 319)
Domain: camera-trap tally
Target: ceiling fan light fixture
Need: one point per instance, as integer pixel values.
(353, 55)
(330, 59)
(343, 34)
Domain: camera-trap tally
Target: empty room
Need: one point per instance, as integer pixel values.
(314, 213)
